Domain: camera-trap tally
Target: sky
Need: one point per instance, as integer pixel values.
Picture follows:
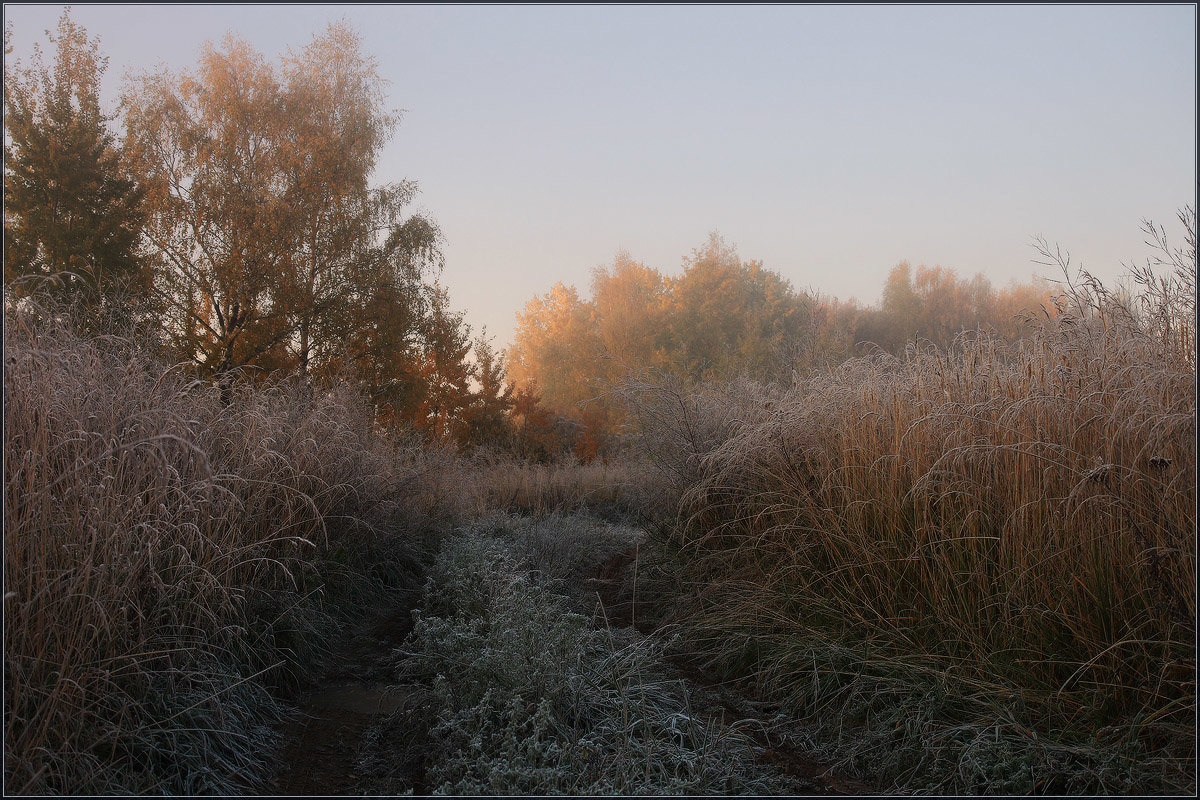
(829, 142)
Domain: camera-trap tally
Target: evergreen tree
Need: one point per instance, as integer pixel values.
(72, 216)
(536, 433)
(488, 415)
(445, 372)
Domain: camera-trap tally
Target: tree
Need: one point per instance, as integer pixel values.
(934, 304)
(556, 348)
(487, 416)
(721, 318)
(630, 304)
(272, 246)
(445, 373)
(207, 147)
(1018, 303)
(828, 339)
(728, 317)
(332, 100)
(539, 434)
(72, 214)
(379, 333)
(946, 307)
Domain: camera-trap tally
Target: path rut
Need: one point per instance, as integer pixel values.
(778, 739)
(321, 742)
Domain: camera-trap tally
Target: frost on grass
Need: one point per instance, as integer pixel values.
(567, 548)
(516, 693)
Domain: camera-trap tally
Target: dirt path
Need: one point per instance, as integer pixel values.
(321, 744)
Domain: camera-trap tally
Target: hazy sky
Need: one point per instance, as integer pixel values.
(831, 142)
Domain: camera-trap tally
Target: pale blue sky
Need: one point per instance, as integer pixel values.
(831, 142)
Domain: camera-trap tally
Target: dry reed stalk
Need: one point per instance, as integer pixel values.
(152, 542)
(1020, 515)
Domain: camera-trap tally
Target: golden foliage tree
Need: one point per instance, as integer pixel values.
(556, 349)
(719, 319)
(728, 317)
(934, 304)
(630, 304)
(207, 146)
(265, 228)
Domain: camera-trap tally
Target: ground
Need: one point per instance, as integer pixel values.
(323, 740)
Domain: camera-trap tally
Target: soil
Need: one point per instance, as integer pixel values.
(322, 740)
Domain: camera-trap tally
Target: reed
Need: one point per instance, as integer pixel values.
(163, 559)
(999, 537)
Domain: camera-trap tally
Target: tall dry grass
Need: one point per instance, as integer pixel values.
(983, 559)
(162, 555)
(451, 487)
(616, 490)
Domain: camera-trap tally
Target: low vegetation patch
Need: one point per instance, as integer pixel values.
(512, 691)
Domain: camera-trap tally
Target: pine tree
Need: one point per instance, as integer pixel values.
(72, 217)
(537, 432)
(488, 414)
(445, 372)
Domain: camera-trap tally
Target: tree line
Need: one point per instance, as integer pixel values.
(237, 217)
(724, 318)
